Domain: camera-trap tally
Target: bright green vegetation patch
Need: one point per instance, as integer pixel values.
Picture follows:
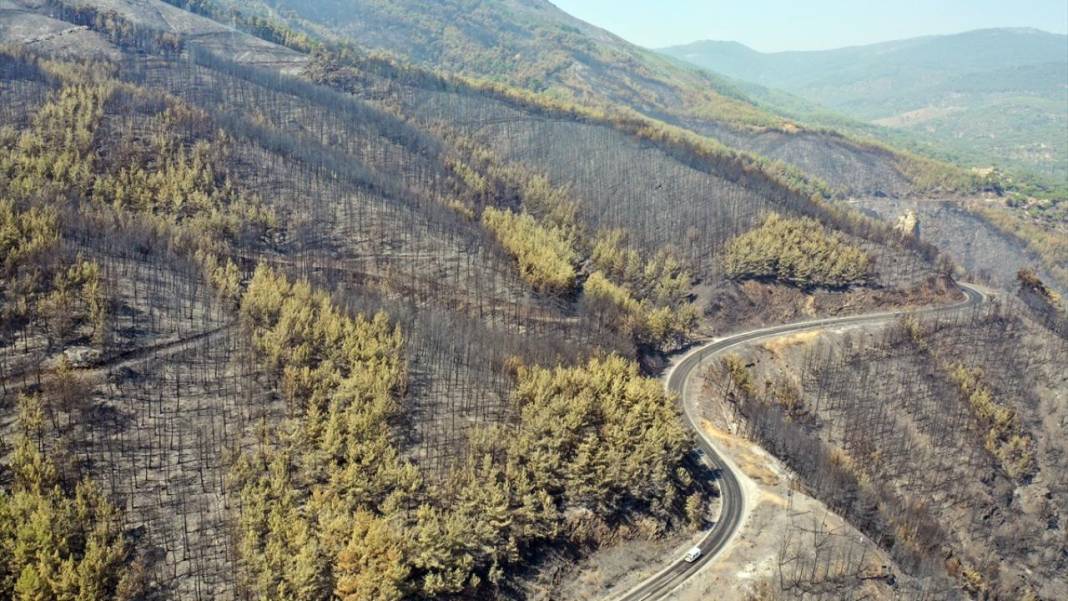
(1004, 438)
(546, 258)
(645, 299)
(24, 234)
(798, 251)
(57, 540)
(333, 510)
(576, 421)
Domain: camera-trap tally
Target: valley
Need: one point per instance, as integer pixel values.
(992, 97)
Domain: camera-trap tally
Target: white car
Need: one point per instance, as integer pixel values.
(692, 555)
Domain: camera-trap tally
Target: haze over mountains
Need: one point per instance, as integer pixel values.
(995, 96)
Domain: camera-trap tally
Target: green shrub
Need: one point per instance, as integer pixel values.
(58, 541)
(614, 306)
(546, 258)
(1004, 439)
(798, 251)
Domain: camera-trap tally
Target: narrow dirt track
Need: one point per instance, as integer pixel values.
(22, 379)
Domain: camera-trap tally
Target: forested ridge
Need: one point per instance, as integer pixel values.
(366, 332)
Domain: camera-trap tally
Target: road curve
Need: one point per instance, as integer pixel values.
(733, 499)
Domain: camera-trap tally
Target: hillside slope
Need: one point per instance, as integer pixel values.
(940, 438)
(997, 96)
(534, 45)
(274, 317)
(528, 43)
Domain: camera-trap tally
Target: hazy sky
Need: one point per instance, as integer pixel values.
(773, 25)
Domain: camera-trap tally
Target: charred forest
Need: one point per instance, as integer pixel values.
(286, 318)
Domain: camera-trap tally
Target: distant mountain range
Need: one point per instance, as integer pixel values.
(993, 96)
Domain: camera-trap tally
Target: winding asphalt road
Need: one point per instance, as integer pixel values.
(733, 498)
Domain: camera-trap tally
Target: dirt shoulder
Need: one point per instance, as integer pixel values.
(786, 535)
(738, 306)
